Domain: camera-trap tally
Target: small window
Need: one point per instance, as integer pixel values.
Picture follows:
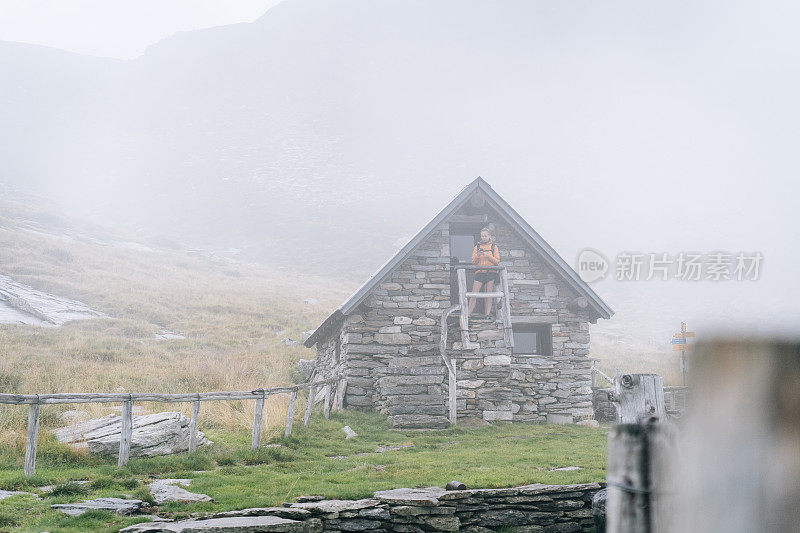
(532, 339)
(461, 246)
(462, 241)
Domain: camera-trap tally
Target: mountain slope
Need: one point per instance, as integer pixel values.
(327, 120)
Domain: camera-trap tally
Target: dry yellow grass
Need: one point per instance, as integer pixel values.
(639, 359)
(233, 315)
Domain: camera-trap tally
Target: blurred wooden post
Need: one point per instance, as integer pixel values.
(740, 464)
(126, 433)
(33, 436)
(258, 421)
(594, 374)
(290, 413)
(639, 396)
(627, 503)
(327, 407)
(640, 492)
(193, 426)
(309, 406)
(662, 444)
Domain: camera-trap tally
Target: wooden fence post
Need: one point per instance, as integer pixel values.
(309, 406)
(193, 426)
(341, 387)
(627, 503)
(33, 435)
(258, 421)
(662, 444)
(641, 491)
(740, 459)
(126, 433)
(327, 408)
(639, 396)
(451, 393)
(290, 413)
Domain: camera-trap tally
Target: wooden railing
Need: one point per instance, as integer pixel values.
(503, 314)
(503, 310)
(597, 372)
(259, 395)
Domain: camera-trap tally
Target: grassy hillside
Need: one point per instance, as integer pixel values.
(315, 460)
(233, 316)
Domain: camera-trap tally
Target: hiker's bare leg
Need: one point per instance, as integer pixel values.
(476, 287)
(489, 288)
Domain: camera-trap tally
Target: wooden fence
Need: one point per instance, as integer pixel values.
(34, 401)
(732, 464)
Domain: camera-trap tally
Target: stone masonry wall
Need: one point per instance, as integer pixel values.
(531, 508)
(389, 350)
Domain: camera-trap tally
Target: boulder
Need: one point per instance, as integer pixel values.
(349, 433)
(168, 490)
(114, 505)
(22, 304)
(599, 510)
(9, 493)
(154, 434)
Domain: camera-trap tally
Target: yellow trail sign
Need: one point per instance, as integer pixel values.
(680, 347)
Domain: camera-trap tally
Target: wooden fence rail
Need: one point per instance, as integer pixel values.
(33, 401)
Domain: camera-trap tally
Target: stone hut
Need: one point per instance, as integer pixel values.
(530, 363)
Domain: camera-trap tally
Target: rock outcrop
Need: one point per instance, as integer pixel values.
(169, 490)
(154, 434)
(21, 304)
(114, 505)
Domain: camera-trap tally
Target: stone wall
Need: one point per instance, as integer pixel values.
(604, 410)
(390, 355)
(531, 508)
(495, 384)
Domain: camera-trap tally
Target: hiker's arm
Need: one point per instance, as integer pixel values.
(494, 257)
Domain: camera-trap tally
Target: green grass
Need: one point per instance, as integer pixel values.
(238, 477)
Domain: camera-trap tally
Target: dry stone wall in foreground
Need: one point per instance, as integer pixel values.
(531, 508)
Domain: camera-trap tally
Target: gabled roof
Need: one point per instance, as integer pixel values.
(511, 217)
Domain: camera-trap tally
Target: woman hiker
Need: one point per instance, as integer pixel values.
(485, 253)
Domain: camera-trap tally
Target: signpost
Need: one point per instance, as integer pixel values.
(679, 343)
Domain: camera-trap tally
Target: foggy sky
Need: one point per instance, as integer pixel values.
(621, 126)
(116, 28)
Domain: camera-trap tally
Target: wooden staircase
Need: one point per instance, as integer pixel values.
(502, 309)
